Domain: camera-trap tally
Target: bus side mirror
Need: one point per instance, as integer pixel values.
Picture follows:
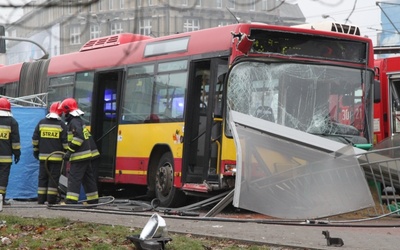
(377, 91)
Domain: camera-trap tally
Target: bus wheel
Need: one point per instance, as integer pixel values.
(168, 195)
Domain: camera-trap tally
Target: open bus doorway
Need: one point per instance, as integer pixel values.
(203, 122)
(394, 88)
(105, 119)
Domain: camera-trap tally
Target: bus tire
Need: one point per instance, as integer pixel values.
(168, 195)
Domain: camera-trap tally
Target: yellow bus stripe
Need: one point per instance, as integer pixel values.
(133, 172)
(140, 172)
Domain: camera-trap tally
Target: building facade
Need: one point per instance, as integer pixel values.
(64, 26)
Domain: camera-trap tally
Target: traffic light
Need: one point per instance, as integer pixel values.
(2, 41)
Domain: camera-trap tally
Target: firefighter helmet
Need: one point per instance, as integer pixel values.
(5, 104)
(68, 105)
(54, 108)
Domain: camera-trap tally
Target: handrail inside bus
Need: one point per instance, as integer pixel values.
(109, 131)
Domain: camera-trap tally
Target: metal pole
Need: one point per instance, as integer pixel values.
(46, 54)
(394, 26)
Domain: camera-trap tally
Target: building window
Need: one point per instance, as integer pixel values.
(111, 4)
(219, 3)
(151, 3)
(139, 3)
(231, 4)
(50, 14)
(252, 5)
(80, 6)
(94, 31)
(75, 35)
(116, 28)
(198, 3)
(191, 25)
(99, 7)
(69, 8)
(145, 26)
(122, 4)
(184, 2)
(264, 5)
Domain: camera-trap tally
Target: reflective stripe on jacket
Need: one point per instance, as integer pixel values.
(81, 142)
(50, 135)
(9, 139)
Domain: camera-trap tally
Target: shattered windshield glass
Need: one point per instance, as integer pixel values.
(318, 99)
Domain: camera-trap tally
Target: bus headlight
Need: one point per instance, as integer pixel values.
(230, 168)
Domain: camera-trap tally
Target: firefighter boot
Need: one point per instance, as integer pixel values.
(52, 199)
(5, 202)
(95, 201)
(68, 201)
(41, 198)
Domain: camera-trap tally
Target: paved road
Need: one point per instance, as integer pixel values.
(380, 234)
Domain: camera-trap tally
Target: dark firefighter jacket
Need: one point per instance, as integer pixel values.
(9, 139)
(50, 135)
(81, 143)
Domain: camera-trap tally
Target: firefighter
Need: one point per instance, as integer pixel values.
(50, 136)
(9, 144)
(81, 152)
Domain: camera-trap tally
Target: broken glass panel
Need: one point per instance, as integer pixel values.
(327, 101)
(287, 173)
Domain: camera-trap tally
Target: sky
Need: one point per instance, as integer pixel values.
(366, 14)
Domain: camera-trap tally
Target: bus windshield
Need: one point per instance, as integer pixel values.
(329, 101)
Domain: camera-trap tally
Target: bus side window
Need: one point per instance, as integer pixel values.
(152, 118)
(169, 95)
(137, 100)
(203, 80)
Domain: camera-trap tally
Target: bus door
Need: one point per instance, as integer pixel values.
(106, 92)
(394, 102)
(203, 122)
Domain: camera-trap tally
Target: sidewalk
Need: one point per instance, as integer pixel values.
(381, 234)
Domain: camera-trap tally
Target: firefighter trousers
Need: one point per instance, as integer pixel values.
(4, 175)
(49, 176)
(82, 173)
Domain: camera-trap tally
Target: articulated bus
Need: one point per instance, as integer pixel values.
(158, 107)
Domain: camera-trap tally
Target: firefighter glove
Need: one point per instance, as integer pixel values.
(16, 159)
(36, 154)
(67, 155)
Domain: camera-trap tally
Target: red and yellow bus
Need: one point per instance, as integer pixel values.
(158, 107)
